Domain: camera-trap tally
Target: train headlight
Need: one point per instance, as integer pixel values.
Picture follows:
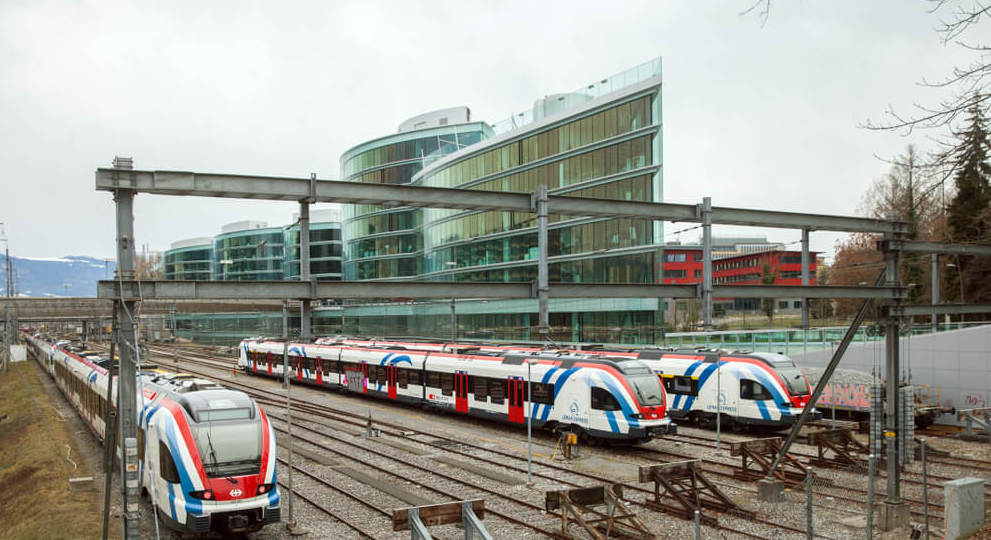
(264, 488)
(638, 416)
(206, 494)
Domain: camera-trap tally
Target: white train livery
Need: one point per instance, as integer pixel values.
(599, 397)
(206, 453)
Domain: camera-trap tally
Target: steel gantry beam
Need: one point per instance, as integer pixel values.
(906, 246)
(296, 189)
(951, 309)
(245, 290)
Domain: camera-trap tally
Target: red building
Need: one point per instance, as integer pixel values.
(683, 265)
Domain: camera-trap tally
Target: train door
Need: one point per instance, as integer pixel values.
(461, 392)
(299, 368)
(319, 371)
(254, 361)
(516, 400)
(268, 361)
(391, 375)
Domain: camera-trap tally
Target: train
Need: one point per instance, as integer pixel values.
(207, 454)
(753, 389)
(599, 398)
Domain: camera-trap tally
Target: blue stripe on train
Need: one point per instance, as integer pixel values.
(769, 384)
(762, 407)
(706, 373)
(558, 385)
(627, 411)
(192, 505)
(688, 373)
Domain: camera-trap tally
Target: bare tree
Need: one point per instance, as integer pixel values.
(963, 24)
(762, 8)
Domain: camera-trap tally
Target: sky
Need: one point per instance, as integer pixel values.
(760, 116)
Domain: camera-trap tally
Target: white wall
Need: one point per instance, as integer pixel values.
(956, 363)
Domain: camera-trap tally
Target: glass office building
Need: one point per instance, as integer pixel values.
(603, 141)
(600, 141)
(249, 250)
(386, 242)
(190, 259)
(325, 246)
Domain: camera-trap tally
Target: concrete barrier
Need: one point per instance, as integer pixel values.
(963, 507)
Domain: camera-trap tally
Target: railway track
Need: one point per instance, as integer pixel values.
(403, 431)
(711, 443)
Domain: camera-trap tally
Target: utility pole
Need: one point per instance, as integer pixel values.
(109, 431)
(291, 524)
(127, 344)
(539, 203)
(9, 330)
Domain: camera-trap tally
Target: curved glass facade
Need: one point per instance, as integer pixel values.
(252, 254)
(384, 242)
(192, 262)
(325, 251)
(609, 148)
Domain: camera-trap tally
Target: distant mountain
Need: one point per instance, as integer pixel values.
(56, 276)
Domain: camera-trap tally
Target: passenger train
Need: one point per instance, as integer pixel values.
(206, 453)
(599, 397)
(753, 388)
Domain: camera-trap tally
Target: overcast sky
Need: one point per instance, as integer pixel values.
(754, 116)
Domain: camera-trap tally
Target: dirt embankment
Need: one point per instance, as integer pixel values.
(35, 437)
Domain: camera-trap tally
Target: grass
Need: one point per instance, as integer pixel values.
(37, 502)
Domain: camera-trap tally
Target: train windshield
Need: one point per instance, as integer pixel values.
(230, 447)
(795, 380)
(648, 389)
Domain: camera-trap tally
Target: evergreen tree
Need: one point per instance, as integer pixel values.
(912, 272)
(967, 212)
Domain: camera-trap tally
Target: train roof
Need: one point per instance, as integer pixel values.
(203, 399)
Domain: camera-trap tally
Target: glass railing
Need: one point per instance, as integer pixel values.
(642, 72)
(797, 341)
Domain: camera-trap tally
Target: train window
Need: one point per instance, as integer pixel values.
(497, 390)
(416, 377)
(753, 390)
(480, 387)
(382, 377)
(542, 393)
(447, 384)
(402, 377)
(433, 379)
(679, 384)
(166, 467)
(141, 444)
(603, 400)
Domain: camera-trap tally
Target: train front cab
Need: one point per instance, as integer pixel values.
(223, 480)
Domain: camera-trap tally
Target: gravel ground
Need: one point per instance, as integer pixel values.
(832, 518)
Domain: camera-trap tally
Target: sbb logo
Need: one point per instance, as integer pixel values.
(235, 492)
